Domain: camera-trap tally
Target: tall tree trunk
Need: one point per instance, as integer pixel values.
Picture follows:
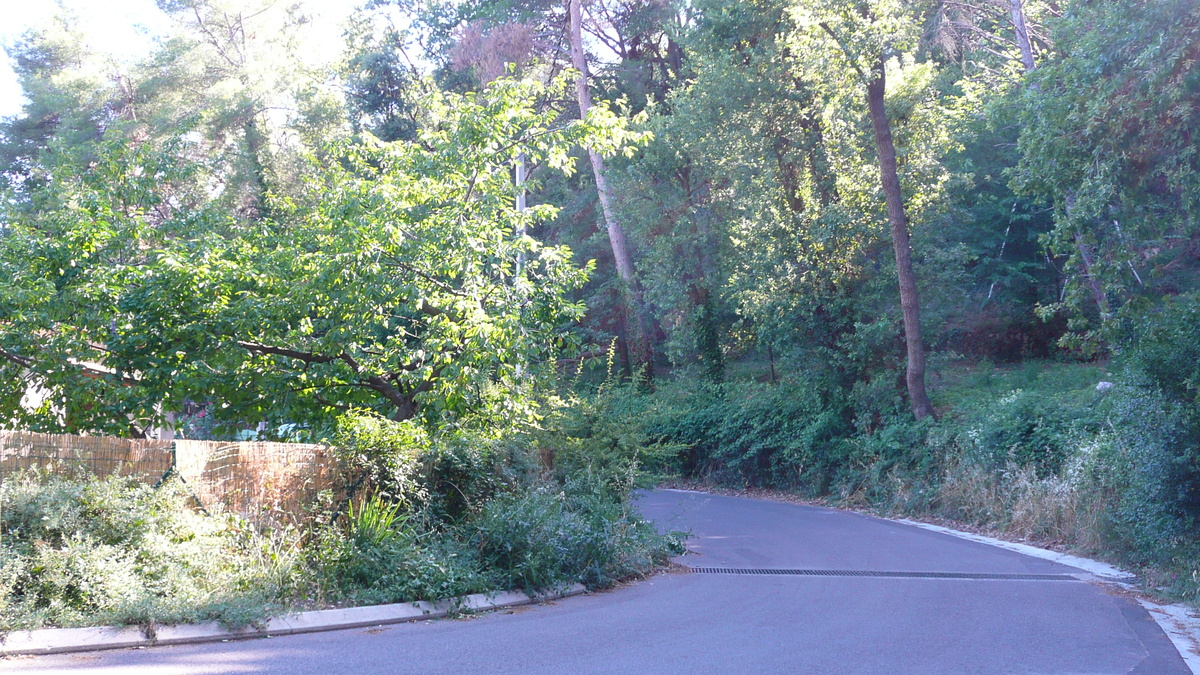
(635, 303)
(1017, 9)
(1093, 282)
(909, 301)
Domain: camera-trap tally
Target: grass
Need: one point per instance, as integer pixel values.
(966, 384)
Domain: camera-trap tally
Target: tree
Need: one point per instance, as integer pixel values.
(867, 36)
(730, 198)
(381, 84)
(70, 104)
(230, 73)
(635, 301)
(387, 283)
(235, 71)
(69, 256)
(1107, 138)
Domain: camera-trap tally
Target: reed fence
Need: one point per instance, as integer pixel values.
(264, 482)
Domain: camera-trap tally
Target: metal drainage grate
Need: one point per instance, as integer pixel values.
(884, 574)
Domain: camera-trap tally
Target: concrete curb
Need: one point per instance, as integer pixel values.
(1182, 625)
(62, 640)
(1102, 570)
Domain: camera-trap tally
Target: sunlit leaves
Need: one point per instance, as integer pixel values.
(388, 279)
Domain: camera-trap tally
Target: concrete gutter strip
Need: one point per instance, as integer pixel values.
(1102, 570)
(61, 640)
(1182, 625)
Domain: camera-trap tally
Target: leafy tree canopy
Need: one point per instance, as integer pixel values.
(397, 279)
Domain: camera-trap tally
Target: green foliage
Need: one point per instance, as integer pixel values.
(1037, 451)
(389, 283)
(382, 455)
(215, 227)
(375, 523)
(1029, 428)
(742, 433)
(1160, 417)
(443, 477)
(85, 551)
(485, 519)
(1107, 139)
(63, 82)
(107, 551)
(68, 267)
(756, 434)
(381, 89)
(375, 555)
(1164, 351)
(552, 536)
(609, 433)
(465, 471)
(1154, 515)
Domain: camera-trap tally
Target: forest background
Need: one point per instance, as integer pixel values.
(932, 257)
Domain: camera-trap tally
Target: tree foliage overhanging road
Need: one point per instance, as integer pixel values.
(228, 221)
(387, 279)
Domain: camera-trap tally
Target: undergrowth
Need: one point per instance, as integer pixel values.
(1040, 451)
(435, 517)
(78, 552)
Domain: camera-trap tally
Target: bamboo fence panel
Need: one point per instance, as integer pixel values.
(99, 455)
(261, 481)
(267, 483)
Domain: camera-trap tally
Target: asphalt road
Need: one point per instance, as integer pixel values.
(876, 597)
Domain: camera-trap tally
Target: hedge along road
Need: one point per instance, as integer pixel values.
(784, 588)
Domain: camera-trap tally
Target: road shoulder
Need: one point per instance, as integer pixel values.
(67, 640)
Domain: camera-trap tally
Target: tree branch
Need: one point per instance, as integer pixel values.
(259, 349)
(396, 262)
(406, 407)
(17, 359)
(845, 50)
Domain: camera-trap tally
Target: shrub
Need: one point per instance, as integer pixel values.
(377, 556)
(443, 476)
(1154, 476)
(1163, 412)
(79, 552)
(610, 433)
(1024, 428)
(475, 512)
(463, 470)
(442, 515)
(747, 433)
(552, 536)
(382, 455)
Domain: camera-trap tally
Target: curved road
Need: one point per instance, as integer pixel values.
(786, 588)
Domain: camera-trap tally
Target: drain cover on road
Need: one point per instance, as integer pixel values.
(877, 573)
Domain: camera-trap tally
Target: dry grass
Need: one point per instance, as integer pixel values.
(1022, 505)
